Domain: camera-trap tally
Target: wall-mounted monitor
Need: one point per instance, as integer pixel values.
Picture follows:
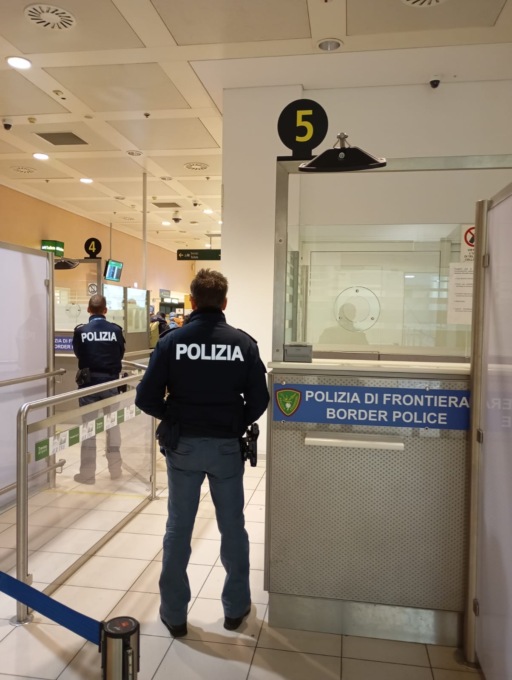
(113, 270)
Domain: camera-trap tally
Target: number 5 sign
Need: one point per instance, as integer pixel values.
(302, 126)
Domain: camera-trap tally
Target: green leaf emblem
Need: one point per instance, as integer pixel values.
(288, 401)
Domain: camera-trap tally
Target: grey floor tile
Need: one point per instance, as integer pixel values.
(372, 649)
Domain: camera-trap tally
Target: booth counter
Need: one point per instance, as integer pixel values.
(367, 522)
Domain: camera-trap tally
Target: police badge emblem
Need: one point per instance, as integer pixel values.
(288, 401)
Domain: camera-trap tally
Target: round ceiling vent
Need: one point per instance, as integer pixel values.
(22, 169)
(195, 165)
(49, 16)
(423, 3)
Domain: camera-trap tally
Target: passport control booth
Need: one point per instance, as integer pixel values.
(372, 446)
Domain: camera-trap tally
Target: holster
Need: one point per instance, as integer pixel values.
(168, 434)
(83, 377)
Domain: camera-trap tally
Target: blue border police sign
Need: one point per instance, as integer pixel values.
(377, 406)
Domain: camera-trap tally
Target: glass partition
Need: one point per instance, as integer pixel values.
(114, 296)
(374, 288)
(73, 288)
(67, 519)
(137, 310)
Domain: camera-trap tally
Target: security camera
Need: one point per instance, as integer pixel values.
(176, 218)
(7, 124)
(435, 82)
(195, 203)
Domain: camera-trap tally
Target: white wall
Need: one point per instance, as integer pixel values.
(250, 145)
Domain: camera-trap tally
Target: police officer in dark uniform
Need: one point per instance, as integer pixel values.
(99, 346)
(215, 384)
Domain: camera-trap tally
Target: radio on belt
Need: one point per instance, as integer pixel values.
(299, 351)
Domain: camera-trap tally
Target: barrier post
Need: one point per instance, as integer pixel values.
(120, 648)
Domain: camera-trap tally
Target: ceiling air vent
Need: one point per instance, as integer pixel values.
(49, 16)
(423, 3)
(22, 169)
(61, 138)
(167, 205)
(195, 165)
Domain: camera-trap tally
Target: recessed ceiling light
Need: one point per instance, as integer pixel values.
(40, 156)
(220, 222)
(196, 165)
(208, 211)
(329, 44)
(86, 180)
(166, 224)
(19, 62)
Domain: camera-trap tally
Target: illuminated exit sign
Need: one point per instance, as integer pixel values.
(56, 247)
(206, 254)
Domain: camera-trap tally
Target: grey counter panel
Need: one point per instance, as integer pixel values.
(381, 527)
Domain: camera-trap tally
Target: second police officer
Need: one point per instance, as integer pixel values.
(207, 384)
(99, 346)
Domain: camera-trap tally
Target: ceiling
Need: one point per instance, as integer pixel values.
(122, 87)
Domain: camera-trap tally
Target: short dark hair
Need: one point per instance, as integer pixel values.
(209, 289)
(97, 304)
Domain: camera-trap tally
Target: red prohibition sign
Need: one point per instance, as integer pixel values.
(469, 237)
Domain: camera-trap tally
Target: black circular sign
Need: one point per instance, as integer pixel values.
(302, 126)
(92, 247)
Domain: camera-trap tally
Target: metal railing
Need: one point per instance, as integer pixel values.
(23, 430)
(20, 381)
(29, 378)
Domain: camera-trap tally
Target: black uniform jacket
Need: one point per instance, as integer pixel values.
(99, 346)
(213, 375)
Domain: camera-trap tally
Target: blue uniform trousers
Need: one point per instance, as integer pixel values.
(187, 465)
(113, 437)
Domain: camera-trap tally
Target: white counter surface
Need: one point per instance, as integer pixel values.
(374, 367)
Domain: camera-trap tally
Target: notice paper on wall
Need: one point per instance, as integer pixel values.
(460, 293)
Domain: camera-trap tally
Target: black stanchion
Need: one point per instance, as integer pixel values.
(120, 650)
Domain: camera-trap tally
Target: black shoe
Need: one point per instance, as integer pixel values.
(176, 631)
(84, 479)
(234, 623)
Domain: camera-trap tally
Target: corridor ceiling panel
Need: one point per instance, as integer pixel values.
(234, 21)
(96, 25)
(151, 134)
(19, 97)
(391, 16)
(120, 87)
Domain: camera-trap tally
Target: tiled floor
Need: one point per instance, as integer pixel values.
(123, 579)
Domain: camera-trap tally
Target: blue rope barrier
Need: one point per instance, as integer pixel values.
(82, 625)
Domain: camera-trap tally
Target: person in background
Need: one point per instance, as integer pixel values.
(172, 321)
(99, 346)
(206, 382)
(157, 327)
